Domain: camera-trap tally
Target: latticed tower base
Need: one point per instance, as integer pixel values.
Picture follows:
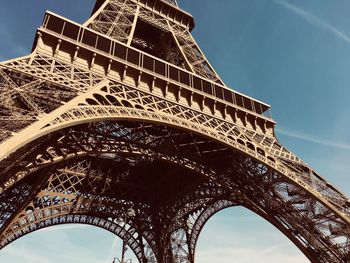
(126, 112)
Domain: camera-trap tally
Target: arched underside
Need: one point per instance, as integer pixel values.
(206, 214)
(113, 100)
(87, 133)
(57, 216)
(172, 178)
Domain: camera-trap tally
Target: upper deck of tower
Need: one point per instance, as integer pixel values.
(150, 40)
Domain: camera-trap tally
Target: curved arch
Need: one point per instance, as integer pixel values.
(269, 215)
(117, 147)
(90, 101)
(298, 190)
(203, 218)
(261, 151)
(87, 114)
(101, 99)
(168, 120)
(128, 235)
(126, 104)
(218, 202)
(207, 197)
(13, 231)
(208, 213)
(113, 100)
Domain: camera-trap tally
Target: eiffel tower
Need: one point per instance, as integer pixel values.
(125, 113)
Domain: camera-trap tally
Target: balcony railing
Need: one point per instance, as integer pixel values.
(87, 37)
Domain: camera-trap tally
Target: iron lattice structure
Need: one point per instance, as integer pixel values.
(125, 112)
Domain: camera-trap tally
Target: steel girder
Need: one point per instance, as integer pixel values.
(84, 138)
(207, 186)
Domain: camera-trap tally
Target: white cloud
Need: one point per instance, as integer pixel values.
(113, 250)
(311, 138)
(314, 20)
(239, 235)
(48, 246)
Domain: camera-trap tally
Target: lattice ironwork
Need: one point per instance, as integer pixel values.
(99, 119)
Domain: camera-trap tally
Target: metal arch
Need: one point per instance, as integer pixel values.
(187, 254)
(204, 216)
(84, 114)
(307, 222)
(284, 185)
(296, 175)
(182, 231)
(201, 211)
(81, 219)
(246, 169)
(79, 114)
(292, 232)
(53, 206)
(81, 81)
(183, 213)
(53, 154)
(120, 148)
(193, 217)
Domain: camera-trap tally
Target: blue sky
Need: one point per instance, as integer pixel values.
(294, 55)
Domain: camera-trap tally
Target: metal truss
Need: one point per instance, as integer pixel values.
(71, 196)
(118, 19)
(83, 138)
(304, 219)
(194, 56)
(63, 71)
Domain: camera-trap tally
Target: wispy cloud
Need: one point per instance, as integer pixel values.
(113, 250)
(244, 241)
(47, 247)
(24, 254)
(314, 19)
(311, 138)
